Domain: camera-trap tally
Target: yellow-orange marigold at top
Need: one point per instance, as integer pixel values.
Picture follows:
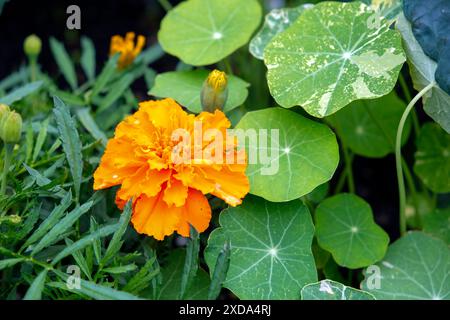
(169, 195)
(127, 48)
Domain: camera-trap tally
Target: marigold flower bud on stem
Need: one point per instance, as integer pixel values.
(214, 93)
(32, 45)
(11, 127)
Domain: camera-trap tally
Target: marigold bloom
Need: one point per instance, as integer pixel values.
(169, 195)
(127, 48)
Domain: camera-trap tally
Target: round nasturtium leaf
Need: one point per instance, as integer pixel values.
(271, 254)
(276, 21)
(432, 159)
(416, 266)
(437, 224)
(288, 154)
(332, 290)
(202, 32)
(185, 88)
(333, 54)
(369, 127)
(345, 228)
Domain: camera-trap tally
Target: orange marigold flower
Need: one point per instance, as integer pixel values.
(127, 48)
(168, 194)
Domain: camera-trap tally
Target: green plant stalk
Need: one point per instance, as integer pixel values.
(348, 168)
(398, 157)
(6, 164)
(165, 4)
(33, 68)
(408, 97)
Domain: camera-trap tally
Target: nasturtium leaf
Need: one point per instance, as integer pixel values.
(345, 227)
(276, 21)
(432, 159)
(437, 102)
(171, 280)
(437, 224)
(332, 290)
(271, 254)
(333, 54)
(185, 87)
(369, 127)
(416, 266)
(202, 32)
(389, 9)
(288, 154)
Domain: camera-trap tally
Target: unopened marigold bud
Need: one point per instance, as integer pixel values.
(32, 45)
(215, 91)
(4, 110)
(11, 127)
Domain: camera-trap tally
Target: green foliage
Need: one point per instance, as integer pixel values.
(331, 290)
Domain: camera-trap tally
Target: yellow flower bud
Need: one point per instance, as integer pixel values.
(4, 109)
(32, 45)
(215, 91)
(11, 127)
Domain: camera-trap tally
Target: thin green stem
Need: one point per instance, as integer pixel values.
(228, 67)
(408, 97)
(166, 5)
(348, 168)
(398, 157)
(6, 164)
(33, 69)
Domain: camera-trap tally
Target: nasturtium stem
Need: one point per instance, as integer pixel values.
(398, 157)
(408, 97)
(6, 164)
(166, 5)
(348, 167)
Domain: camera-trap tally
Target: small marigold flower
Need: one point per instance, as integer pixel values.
(127, 48)
(168, 194)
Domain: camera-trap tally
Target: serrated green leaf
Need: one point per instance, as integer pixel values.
(369, 127)
(7, 263)
(116, 243)
(331, 290)
(40, 140)
(270, 248)
(80, 260)
(35, 290)
(276, 21)
(70, 141)
(202, 32)
(21, 92)
(190, 262)
(332, 56)
(142, 279)
(105, 75)
(88, 57)
(185, 88)
(91, 126)
(432, 159)
(294, 163)
(87, 240)
(220, 272)
(64, 62)
(115, 92)
(345, 227)
(61, 227)
(415, 267)
(120, 269)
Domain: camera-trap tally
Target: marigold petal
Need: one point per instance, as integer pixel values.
(154, 217)
(196, 212)
(175, 193)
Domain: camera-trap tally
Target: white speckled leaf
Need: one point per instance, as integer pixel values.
(437, 102)
(271, 255)
(345, 227)
(332, 290)
(416, 267)
(185, 88)
(304, 156)
(203, 32)
(276, 21)
(333, 54)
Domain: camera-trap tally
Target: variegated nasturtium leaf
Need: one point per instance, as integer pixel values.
(369, 127)
(437, 224)
(389, 9)
(172, 273)
(432, 159)
(416, 266)
(345, 227)
(276, 21)
(332, 290)
(271, 254)
(288, 154)
(203, 32)
(333, 54)
(436, 102)
(185, 88)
